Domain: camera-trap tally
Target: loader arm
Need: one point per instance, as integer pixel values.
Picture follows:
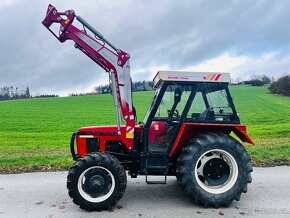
(114, 61)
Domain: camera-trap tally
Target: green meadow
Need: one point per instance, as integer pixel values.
(35, 133)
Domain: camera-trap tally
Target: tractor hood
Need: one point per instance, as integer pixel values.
(105, 130)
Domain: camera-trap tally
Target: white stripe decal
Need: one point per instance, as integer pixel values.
(212, 77)
(130, 129)
(86, 136)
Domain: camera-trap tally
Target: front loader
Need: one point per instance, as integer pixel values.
(186, 132)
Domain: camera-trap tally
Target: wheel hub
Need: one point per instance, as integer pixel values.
(96, 183)
(216, 171)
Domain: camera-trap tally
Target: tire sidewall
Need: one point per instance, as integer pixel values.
(109, 167)
(231, 148)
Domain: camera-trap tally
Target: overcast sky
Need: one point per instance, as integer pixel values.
(240, 37)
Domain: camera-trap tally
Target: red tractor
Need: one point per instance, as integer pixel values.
(185, 132)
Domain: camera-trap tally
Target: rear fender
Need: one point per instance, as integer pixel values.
(240, 131)
(190, 130)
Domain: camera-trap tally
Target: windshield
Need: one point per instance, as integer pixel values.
(169, 106)
(151, 105)
(211, 103)
(218, 102)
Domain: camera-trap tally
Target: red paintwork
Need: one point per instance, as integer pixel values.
(156, 132)
(188, 130)
(104, 133)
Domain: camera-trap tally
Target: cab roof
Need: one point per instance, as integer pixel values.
(215, 77)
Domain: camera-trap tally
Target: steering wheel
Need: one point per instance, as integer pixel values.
(174, 115)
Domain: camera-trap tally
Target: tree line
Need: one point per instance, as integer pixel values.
(256, 80)
(9, 92)
(281, 86)
(136, 87)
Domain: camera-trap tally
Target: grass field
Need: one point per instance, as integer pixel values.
(35, 133)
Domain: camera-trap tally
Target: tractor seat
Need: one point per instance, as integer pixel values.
(207, 114)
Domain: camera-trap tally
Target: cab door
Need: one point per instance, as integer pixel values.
(163, 121)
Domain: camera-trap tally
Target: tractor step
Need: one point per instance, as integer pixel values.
(163, 182)
(157, 168)
(156, 164)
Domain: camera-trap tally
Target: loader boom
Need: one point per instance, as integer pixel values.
(114, 61)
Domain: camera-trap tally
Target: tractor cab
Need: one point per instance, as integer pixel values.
(186, 97)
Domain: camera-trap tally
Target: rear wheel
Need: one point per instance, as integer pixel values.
(96, 182)
(214, 169)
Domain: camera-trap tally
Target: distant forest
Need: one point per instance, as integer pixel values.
(280, 86)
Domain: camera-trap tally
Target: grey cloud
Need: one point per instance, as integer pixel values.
(174, 33)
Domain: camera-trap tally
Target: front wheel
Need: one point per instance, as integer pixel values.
(214, 169)
(96, 182)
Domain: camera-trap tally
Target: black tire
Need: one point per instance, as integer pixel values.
(198, 174)
(104, 185)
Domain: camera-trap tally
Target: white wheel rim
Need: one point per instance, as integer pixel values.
(230, 161)
(87, 196)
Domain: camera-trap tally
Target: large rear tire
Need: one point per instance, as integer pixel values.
(214, 169)
(96, 182)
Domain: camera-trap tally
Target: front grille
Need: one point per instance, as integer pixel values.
(92, 144)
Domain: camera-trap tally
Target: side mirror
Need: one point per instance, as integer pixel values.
(177, 95)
